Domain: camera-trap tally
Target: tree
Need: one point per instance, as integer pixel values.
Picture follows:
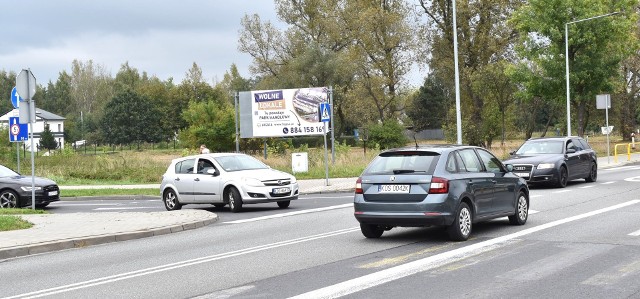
(47, 141)
(210, 123)
(130, 118)
(484, 37)
(429, 105)
(596, 47)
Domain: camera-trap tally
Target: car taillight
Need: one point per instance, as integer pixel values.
(439, 186)
(359, 186)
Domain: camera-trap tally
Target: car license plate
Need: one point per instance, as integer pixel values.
(522, 174)
(393, 188)
(53, 193)
(281, 190)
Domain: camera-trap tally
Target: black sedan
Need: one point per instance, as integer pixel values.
(555, 161)
(452, 186)
(15, 190)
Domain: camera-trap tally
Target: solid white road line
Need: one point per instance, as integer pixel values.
(635, 234)
(607, 183)
(391, 274)
(177, 265)
(561, 191)
(123, 208)
(585, 187)
(290, 214)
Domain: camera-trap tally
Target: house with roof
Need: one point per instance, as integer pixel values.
(43, 118)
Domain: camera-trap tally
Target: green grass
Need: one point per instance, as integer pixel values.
(9, 222)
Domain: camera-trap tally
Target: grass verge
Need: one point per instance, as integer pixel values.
(9, 222)
(109, 192)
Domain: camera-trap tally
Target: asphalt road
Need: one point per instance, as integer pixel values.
(582, 241)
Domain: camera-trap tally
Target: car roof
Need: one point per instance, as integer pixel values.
(554, 138)
(438, 148)
(211, 155)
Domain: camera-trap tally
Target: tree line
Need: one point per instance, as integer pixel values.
(511, 72)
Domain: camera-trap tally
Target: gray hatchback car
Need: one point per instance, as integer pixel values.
(443, 185)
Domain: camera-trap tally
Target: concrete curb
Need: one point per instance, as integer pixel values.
(70, 243)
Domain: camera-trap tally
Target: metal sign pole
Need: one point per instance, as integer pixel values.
(18, 152)
(333, 139)
(606, 113)
(326, 155)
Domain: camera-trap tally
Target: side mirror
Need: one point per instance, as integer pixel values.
(571, 150)
(509, 167)
(213, 172)
(512, 153)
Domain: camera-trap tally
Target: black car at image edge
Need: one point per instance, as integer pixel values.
(453, 186)
(15, 190)
(555, 161)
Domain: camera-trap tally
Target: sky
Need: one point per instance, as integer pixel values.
(162, 37)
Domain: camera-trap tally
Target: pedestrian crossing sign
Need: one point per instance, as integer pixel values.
(325, 110)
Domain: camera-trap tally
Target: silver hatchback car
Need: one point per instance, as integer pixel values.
(225, 178)
(453, 186)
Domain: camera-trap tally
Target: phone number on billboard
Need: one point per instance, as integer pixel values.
(297, 130)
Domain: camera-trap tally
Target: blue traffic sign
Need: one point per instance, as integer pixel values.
(17, 131)
(15, 98)
(325, 114)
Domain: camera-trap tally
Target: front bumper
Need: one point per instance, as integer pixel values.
(264, 194)
(46, 195)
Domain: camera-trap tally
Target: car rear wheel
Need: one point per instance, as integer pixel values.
(234, 200)
(284, 204)
(460, 229)
(371, 230)
(522, 210)
(593, 174)
(563, 177)
(171, 202)
(8, 199)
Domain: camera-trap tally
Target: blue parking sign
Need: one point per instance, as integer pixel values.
(17, 131)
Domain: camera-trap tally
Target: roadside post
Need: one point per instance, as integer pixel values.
(325, 118)
(26, 88)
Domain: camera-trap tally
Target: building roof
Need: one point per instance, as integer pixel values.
(40, 114)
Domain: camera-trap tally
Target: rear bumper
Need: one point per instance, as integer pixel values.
(404, 219)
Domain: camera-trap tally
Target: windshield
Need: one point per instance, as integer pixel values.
(240, 162)
(6, 172)
(414, 162)
(541, 147)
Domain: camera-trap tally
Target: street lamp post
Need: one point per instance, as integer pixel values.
(566, 57)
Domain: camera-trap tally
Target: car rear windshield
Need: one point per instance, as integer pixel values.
(541, 147)
(404, 162)
(240, 162)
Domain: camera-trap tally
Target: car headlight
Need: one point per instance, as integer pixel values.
(28, 188)
(546, 165)
(252, 182)
(293, 180)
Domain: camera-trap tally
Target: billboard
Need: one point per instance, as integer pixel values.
(286, 112)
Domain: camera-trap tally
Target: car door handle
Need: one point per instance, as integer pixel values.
(197, 179)
(494, 181)
(176, 179)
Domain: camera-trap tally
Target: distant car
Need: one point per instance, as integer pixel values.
(15, 190)
(225, 178)
(453, 186)
(555, 161)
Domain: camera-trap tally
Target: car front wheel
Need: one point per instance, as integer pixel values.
(284, 204)
(593, 173)
(234, 200)
(522, 210)
(460, 229)
(563, 177)
(171, 202)
(371, 230)
(8, 199)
